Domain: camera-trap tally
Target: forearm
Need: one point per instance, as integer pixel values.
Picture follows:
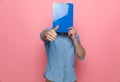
(80, 51)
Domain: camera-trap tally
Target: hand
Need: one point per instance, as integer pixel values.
(72, 33)
(51, 34)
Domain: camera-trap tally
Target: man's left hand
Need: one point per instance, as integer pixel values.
(72, 33)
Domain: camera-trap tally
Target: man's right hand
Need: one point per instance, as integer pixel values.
(50, 35)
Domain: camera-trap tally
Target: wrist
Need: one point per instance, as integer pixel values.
(74, 40)
(45, 34)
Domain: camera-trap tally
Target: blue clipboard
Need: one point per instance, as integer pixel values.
(62, 16)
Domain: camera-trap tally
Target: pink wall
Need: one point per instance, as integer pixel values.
(22, 53)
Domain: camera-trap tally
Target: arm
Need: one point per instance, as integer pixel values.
(80, 51)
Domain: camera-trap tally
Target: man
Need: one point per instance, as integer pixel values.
(60, 50)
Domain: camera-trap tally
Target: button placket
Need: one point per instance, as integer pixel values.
(64, 50)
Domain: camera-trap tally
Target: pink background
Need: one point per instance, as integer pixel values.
(22, 53)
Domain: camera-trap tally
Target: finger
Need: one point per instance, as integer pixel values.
(56, 28)
(54, 33)
(69, 33)
(51, 34)
(70, 28)
(50, 38)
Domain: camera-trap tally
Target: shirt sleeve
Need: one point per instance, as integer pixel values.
(80, 58)
(78, 38)
(41, 33)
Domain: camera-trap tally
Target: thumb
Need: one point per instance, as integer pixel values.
(56, 28)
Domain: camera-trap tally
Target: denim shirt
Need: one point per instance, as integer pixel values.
(60, 54)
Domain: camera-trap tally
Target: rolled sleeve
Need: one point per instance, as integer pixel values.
(80, 58)
(78, 38)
